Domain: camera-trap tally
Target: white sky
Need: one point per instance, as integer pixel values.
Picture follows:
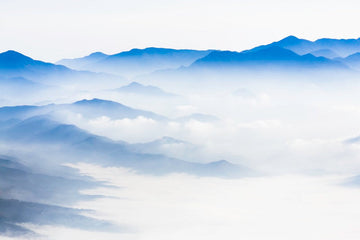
(51, 30)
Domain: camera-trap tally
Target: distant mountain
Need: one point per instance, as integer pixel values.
(17, 81)
(338, 47)
(291, 43)
(327, 53)
(87, 108)
(352, 61)
(20, 182)
(72, 142)
(15, 213)
(14, 65)
(136, 61)
(98, 107)
(15, 86)
(82, 63)
(137, 88)
(31, 197)
(343, 47)
(168, 146)
(157, 146)
(272, 57)
(18, 112)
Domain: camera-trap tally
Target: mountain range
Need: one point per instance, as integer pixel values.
(288, 52)
(36, 126)
(92, 108)
(145, 90)
(327, 46)
(136, 61)
(15, 67)
(262, 58)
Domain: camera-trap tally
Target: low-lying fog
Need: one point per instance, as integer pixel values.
(181, 206)
(297, 135)
(273, 125)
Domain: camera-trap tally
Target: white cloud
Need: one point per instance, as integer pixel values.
(186, 207)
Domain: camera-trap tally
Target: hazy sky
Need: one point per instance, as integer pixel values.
(51, 30)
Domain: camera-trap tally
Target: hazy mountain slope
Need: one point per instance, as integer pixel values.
(139, 61)
(15, 212)
(137, 88)
(87, 108)
(340, 47)
(98, 107)
(72, 142)
(82, 63)
(353, 60)
(327, 53)
(272, 56)
(20, 182)
(16, 65)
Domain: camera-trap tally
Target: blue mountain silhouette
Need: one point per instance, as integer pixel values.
(16, 65)
(339, 47)
(137, 88)
(261, 57)
(72, 141)
(92, 108)
(137, 61)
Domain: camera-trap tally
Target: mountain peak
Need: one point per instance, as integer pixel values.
(94, 101)
(12, 53)
(291, 41)
(97, 54)
(290, 38)
(275, 51)
(138, 88)
(355, 56)
(141, 52)
(11, 57)
(97, 102)
(135, 84)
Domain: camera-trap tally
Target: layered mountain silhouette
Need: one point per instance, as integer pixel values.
(290, 51)
(352, 61)
(98, 107)
(273, 57)
(82, 63)
(30, 197)
(15, 213)
(137, 88)
(325, 47)
(23, 183)
(92, 108)
(156, 145)
(136, 61)
(293, 51)
(72, 141)
(14, 66)
(15, 86)
(327, 53)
